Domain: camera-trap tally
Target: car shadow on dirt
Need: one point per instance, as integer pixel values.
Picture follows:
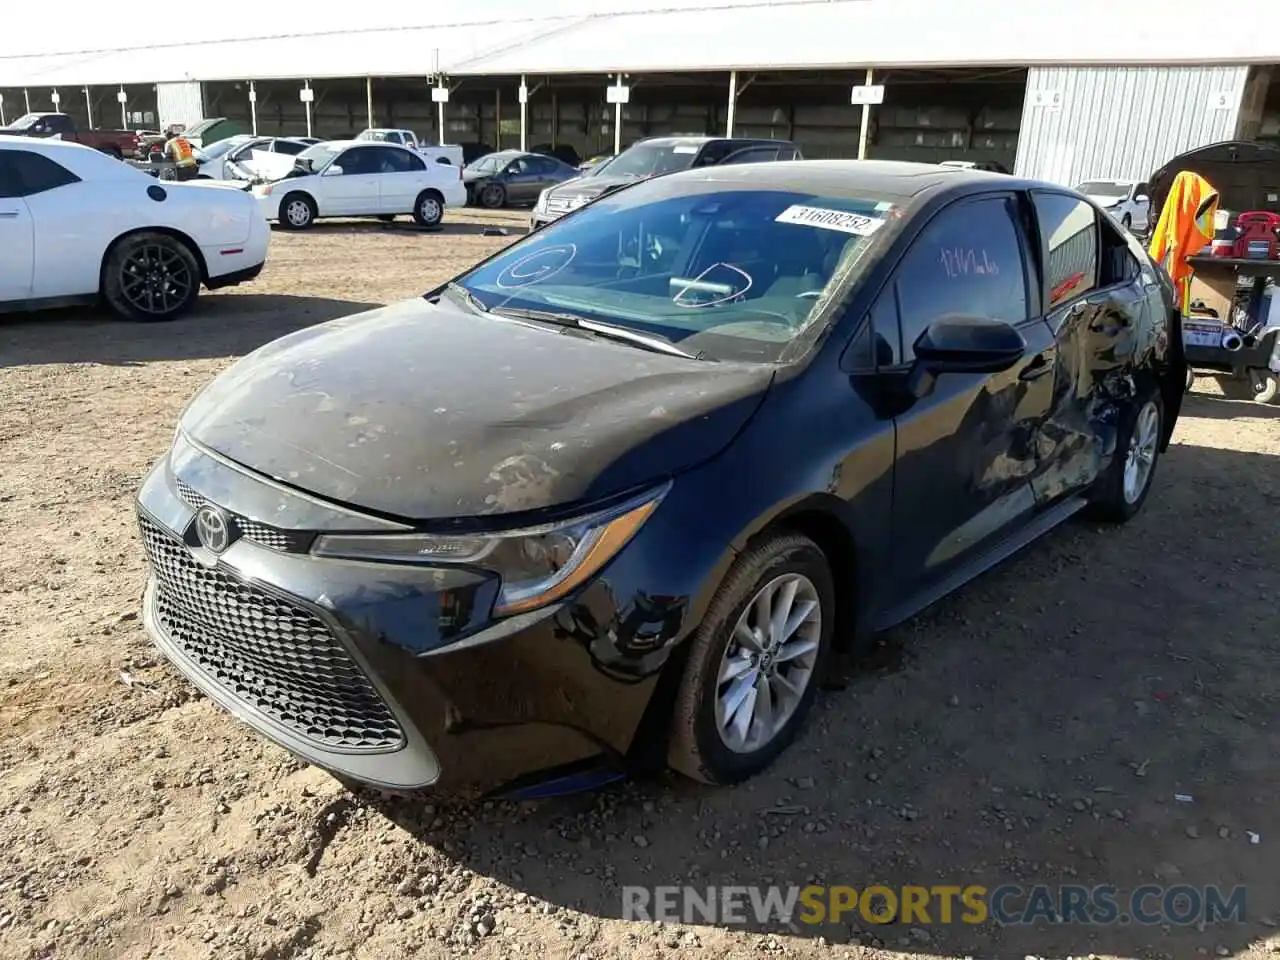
(217, 326)
(1213, 407)
(1099, 711)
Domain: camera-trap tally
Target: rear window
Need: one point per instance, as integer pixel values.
(730, 274)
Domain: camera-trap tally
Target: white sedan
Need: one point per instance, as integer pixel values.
(349, 178)
(79, 226)
(1126, 200)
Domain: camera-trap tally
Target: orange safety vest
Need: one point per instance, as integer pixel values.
(1186, 227)
(181, 148)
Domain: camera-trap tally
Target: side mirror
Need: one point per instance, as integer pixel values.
(969, 345)
(333, 170)
(1142, 198)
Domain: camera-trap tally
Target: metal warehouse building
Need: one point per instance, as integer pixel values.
(1058, 91)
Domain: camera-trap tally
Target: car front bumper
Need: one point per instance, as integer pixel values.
(388, 674)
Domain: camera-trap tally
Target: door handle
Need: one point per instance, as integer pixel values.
(1037, 368)
(8, 214)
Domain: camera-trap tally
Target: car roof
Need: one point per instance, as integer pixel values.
(41, 143)
(699, 141)
(376, 144)
(890, 179)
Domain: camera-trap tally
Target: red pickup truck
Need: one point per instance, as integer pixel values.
(117, 143)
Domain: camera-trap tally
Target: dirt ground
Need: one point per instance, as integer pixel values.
(1034, 728)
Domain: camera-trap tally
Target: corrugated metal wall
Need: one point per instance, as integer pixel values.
(1122, 122)
(179, 103)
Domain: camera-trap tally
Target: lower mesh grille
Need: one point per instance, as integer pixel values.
(266, 652)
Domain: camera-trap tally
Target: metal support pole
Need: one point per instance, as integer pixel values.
(866, 120)
(368, 98)
(497, 117)
(524, 115)
(3, 121)
(617, 122)
(124, 111)
(88, 107)
(26, 95)
(440, 121)
(733, 102)
(308, 105)
(253, 107)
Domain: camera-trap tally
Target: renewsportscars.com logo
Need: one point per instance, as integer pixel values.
(1005, 905)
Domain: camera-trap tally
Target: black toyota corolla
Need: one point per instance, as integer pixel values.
(612, 497)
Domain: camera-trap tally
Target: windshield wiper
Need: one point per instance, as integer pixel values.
(467, 297)
(606, 330)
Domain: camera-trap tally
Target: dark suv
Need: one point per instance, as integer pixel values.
(651, 158)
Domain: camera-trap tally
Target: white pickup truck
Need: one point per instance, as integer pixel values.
(446, 153)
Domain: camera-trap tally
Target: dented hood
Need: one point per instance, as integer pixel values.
(423, 411)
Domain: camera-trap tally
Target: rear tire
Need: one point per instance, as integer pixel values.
(738, 663)
(297, 211)
(428, 209)
(1122, 490)
(150, 277)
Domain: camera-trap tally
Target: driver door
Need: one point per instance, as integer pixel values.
(967, 450)
(354, 191)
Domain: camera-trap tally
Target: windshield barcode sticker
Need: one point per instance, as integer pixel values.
(855, 223)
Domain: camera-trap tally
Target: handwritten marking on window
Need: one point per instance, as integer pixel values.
(967, 262)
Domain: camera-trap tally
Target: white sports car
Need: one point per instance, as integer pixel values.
(357, 178)
(79, 226)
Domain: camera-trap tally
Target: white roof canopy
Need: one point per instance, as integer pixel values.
(800, 34)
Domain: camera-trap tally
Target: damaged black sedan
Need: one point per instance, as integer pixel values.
(611, 498)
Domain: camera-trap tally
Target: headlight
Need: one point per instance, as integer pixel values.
(538, 565)
(541, 205)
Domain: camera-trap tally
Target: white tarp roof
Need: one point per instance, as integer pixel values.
(687, 35)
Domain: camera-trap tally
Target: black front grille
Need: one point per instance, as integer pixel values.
(265, 651)
(286, 541)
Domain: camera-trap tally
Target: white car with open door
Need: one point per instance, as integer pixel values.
(350, 178)
(238, 160)
(1128, 201)
(78, 226)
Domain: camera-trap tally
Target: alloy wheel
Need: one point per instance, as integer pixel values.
(1141, 456)
(155, 279)
(429, 210)
(768, 663)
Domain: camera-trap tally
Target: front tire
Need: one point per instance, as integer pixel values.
(493, 196)
(297, 211)
(150, 277)
(754, 662)
(428, 209)
(1123, 489)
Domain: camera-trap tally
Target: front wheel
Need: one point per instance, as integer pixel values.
(493, 196)
(297, 212)
(1123, 489)
(150, 277)
(428, 209)
(754, 662)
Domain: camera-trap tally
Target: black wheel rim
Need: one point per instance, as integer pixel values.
(156, 279)
(492, 197)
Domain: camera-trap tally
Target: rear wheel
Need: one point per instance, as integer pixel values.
(1123, 489)
(150, 277)
(754, 662)
(297, 211)
(428, 209)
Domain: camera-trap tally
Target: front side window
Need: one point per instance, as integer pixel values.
(730, 274)
(490, 163)
(316, 158)
(401, 161)
(754, 155)
(1069, 232)
(968, 261)
(289, 147)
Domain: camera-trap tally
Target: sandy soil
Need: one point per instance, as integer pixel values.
(1034, 728)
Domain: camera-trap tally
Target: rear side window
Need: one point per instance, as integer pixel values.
(754, 155)
(401, 161)
(25, 174)
(289, 147)
(1069, 233)
(968, 261)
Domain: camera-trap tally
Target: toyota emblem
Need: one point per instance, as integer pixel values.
(213, 529)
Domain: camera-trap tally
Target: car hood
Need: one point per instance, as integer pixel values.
(592, 187)
(423, 411)
(473, 176)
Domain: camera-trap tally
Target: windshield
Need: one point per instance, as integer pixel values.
(727, 274)
(489, 163)
(318, 157)
(1104, 188)
(198, 128)
(221, 147)
(650, 160)
(26, 121)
